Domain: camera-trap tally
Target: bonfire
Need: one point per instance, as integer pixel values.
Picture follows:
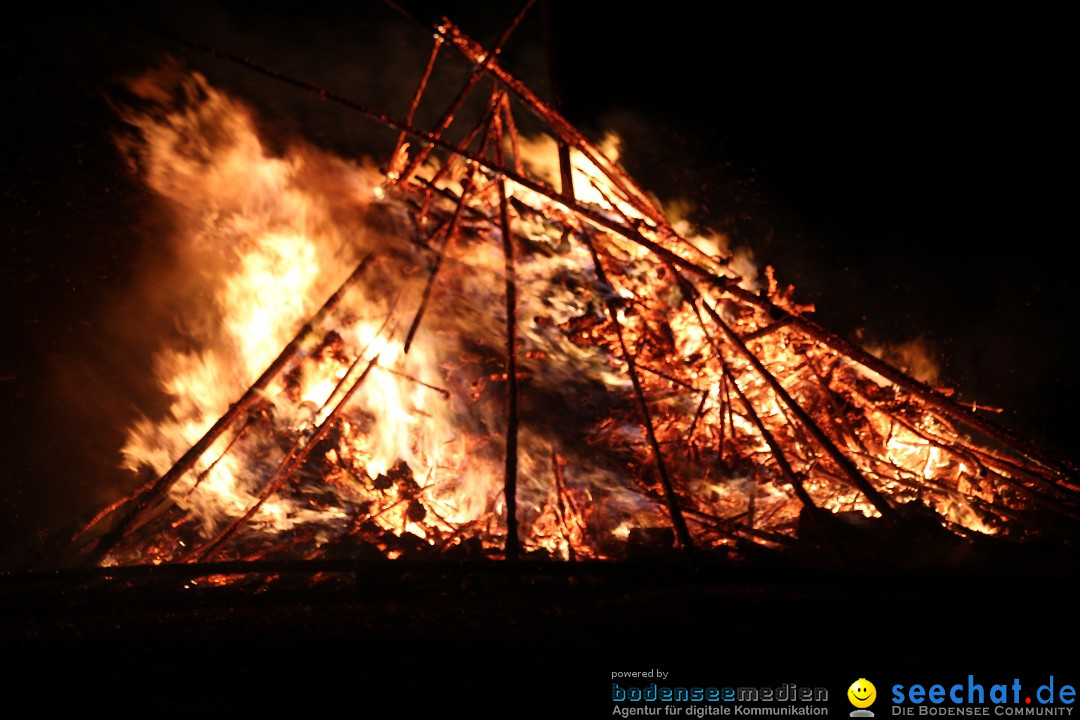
(501, 347)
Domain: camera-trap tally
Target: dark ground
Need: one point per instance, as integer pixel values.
(496, 647)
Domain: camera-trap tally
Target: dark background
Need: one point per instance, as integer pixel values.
(904, 167)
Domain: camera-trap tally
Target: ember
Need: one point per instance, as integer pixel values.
(453, 357)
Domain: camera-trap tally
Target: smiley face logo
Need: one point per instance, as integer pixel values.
(862, 693)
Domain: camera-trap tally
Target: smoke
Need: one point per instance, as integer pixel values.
(916, 356)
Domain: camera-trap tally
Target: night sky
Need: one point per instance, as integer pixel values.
(904, 168)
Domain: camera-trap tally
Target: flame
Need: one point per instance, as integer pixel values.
(396, 448)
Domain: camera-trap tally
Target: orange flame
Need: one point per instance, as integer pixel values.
(413, 447)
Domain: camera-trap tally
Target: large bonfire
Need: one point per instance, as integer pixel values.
(451, 357)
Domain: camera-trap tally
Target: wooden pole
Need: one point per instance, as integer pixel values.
(510, 483)
(416, 98)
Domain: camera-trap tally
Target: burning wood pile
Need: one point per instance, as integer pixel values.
(501, 347)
